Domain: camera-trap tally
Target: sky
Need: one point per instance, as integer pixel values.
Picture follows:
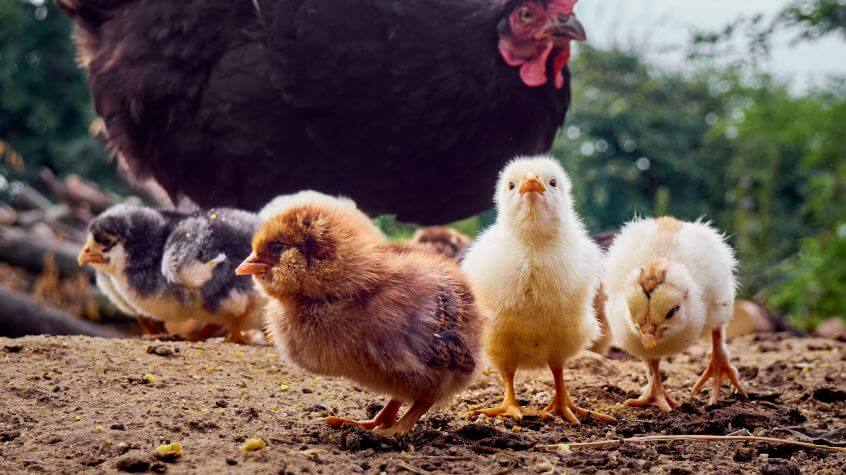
(660, 29)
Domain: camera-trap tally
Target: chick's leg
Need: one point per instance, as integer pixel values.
(509, 407)
(719, 368)
(387, 417)
(235, 335)
(205, 333)
(563, 406)
(150, 326)
(408, 420)
(654, 393)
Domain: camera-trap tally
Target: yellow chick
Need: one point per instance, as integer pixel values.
(536, 270)
(669, 283)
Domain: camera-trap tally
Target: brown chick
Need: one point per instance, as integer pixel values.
(392, 318)
(443, 240)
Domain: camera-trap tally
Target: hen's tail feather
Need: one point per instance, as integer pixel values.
(90, 14)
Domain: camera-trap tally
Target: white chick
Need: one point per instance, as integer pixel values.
(536, 271)
(669, 283)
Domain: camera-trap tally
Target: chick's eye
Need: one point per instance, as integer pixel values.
(553, 183)
(672, 313)
(276, 249)
(525, 15)
(511, 185)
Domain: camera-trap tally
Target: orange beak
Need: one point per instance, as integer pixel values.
(91, 254)
(647, 336)
(532, 184)
(252, 265)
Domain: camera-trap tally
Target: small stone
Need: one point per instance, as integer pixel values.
(543, 467)
(231, 461)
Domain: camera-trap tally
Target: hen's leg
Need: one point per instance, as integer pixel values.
(150, 326)
(205, 333)
(387, 417)
(408, 420)
(654, 393)
(719, 368)
(563, 406)
(509, 407)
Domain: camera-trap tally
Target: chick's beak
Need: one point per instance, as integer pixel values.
(252, 265)
(648, 337)
(91, 254)
(564, 28)
(532, 184)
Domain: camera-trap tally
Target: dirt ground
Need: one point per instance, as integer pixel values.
(71, 404)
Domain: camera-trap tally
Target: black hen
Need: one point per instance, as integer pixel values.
(408, 106)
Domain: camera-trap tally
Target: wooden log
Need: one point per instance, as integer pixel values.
(20, 315)
(24, 249)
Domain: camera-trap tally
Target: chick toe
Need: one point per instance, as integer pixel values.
(719, 368)
(150, 326)
(654, 393)
(563, 406)
(407, 422)
(205, 333)
(387, 417)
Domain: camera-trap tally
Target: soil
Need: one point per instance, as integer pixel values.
(72, 404)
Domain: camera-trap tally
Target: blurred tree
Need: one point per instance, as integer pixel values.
(815, 18)
(44, 106)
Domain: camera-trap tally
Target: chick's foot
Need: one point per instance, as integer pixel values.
(563, 406)
(510, 407)
(235, 335)
(719, 369)
(150, 326)
(387, 417)
(205, 333)
(654, 393)
(407, 422)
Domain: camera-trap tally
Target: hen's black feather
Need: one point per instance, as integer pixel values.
(406, 106)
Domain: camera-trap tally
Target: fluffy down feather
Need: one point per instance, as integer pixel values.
(392, 318)
(536, 270)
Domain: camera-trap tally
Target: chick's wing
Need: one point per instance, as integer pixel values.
(448, 347)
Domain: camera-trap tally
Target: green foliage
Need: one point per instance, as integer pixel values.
(815, 18)
(44, 106)
(739, 149)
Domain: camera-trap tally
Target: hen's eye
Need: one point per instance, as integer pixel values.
(276, 249)
(672, 313)
(553, 183)
(525, 15)
(511, 185)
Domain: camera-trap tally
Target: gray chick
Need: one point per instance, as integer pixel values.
(174, 266)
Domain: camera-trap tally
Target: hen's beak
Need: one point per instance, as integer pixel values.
(252, 265)
(92, 253)
(566, 28)
(648, 337)
(532, 184)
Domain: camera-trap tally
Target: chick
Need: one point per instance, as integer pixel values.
(536, 270)
(394, 319)
(174, 266)
(446, 241)
(282, 203)
(669, 283)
